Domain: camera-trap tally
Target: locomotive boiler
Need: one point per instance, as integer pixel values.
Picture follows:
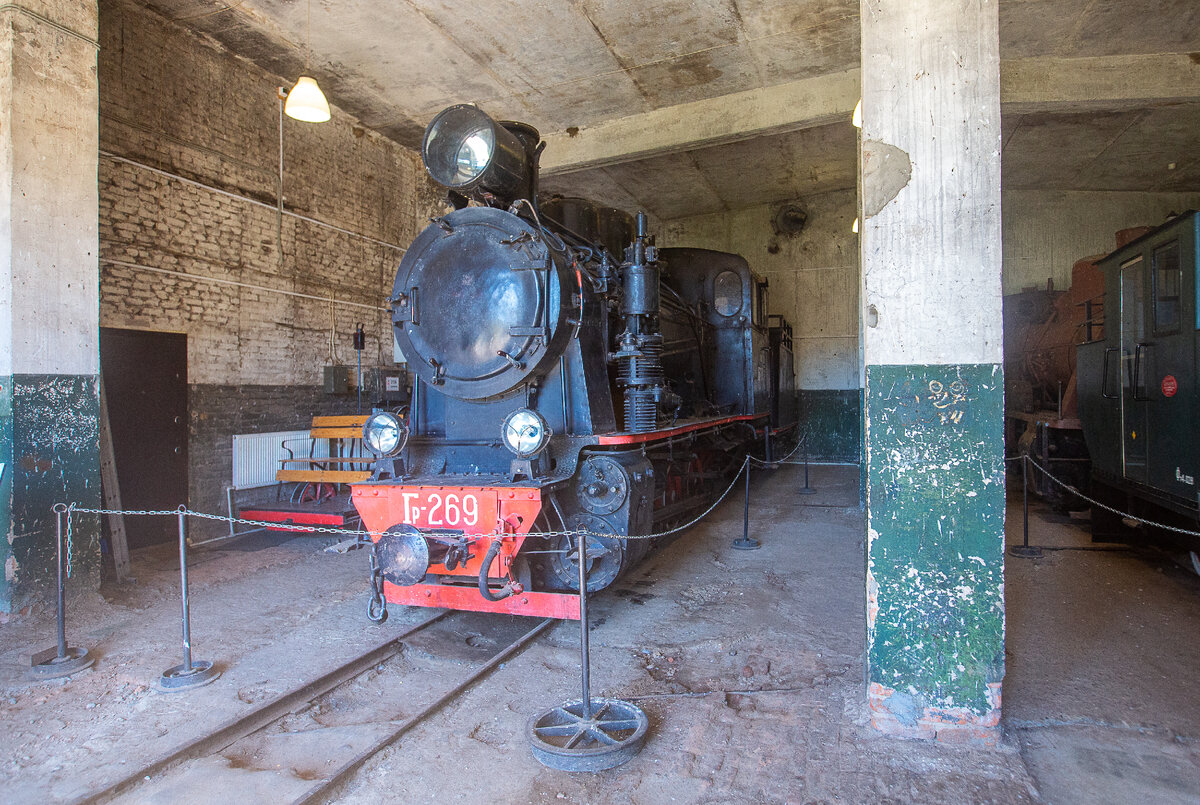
(569, 376)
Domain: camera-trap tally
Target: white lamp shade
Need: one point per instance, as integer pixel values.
(306, 102)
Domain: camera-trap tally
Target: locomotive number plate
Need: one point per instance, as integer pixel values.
(472, 510)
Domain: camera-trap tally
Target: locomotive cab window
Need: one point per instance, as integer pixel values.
(760, 302)
(727, 293)
(1168, 280)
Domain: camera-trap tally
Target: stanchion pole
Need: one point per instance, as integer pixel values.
(1024, 550)
(585, 659)
(746, 543)
(62, 660)
(591, 734)
(807, 490)
(188, 674)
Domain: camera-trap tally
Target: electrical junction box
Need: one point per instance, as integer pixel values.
(387, 386)
(337, 379)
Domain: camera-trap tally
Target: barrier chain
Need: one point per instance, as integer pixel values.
(315, 529)
(1104, 506)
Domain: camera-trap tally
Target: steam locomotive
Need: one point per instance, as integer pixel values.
(568, 376)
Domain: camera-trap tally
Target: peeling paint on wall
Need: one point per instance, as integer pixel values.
(886, 170)
(6, 434)
(935, 570)
(55, 457)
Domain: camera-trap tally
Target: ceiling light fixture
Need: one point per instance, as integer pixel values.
(856, 118)
(306, 101)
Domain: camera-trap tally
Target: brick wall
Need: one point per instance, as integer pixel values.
(189, 176)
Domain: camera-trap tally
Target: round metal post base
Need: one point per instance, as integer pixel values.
(1025, 551)
(747, 544)
(564, 738)
(808, 490)
(74, 661)
(176, 679)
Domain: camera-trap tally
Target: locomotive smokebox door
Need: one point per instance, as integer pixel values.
(481, 305)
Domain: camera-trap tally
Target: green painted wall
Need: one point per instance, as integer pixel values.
(832, 418)
(6, 473)
(935, 485)
(55, 449)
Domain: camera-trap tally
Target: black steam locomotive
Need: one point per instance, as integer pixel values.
(568, 376)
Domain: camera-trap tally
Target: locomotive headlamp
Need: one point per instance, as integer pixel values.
(384, 434)
(525, 432)
(465, 150)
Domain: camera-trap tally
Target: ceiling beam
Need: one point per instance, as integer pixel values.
(1098, 82)
(1026, 85)
(714, 121)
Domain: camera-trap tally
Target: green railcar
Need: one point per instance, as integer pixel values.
(1137, 383)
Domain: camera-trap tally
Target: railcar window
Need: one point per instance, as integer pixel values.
(1167, 282)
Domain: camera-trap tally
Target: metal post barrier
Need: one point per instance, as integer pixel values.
(189, 674)
(585, 658)
(62, 660)
(1024, 550)
(590, 734)
(746, 542)
(807, 490)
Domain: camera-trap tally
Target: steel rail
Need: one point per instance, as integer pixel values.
(326, 789)
(255, 720)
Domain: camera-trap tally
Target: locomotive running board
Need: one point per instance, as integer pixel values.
(666, 433)
(563, 606)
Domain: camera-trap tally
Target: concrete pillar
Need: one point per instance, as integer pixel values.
(49, 357)
(934, 396)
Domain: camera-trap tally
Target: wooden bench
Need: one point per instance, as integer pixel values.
(345, 440)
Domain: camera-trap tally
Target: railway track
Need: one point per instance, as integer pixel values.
(306, 745)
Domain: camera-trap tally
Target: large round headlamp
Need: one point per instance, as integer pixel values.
(384, 434)
(464, 150)
(525, 432)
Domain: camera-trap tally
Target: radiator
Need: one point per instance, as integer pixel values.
(256, 456)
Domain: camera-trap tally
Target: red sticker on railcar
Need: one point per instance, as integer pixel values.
(1169, 386)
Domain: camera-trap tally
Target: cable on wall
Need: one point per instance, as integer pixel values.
(250, 286)
(248, 199)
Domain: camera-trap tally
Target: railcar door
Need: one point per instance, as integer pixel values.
(1133, 379)
(1167, 367)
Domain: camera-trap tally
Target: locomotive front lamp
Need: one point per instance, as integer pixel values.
(384, 434)
(466, 150)
(525, 433)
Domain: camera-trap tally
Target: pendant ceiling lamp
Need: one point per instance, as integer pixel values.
(306, 101)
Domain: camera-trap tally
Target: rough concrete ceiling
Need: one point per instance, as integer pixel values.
(723, 177)
(567, 64)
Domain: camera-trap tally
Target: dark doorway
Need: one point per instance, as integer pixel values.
(145, 387)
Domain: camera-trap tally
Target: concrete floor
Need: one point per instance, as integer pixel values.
(749, 665)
